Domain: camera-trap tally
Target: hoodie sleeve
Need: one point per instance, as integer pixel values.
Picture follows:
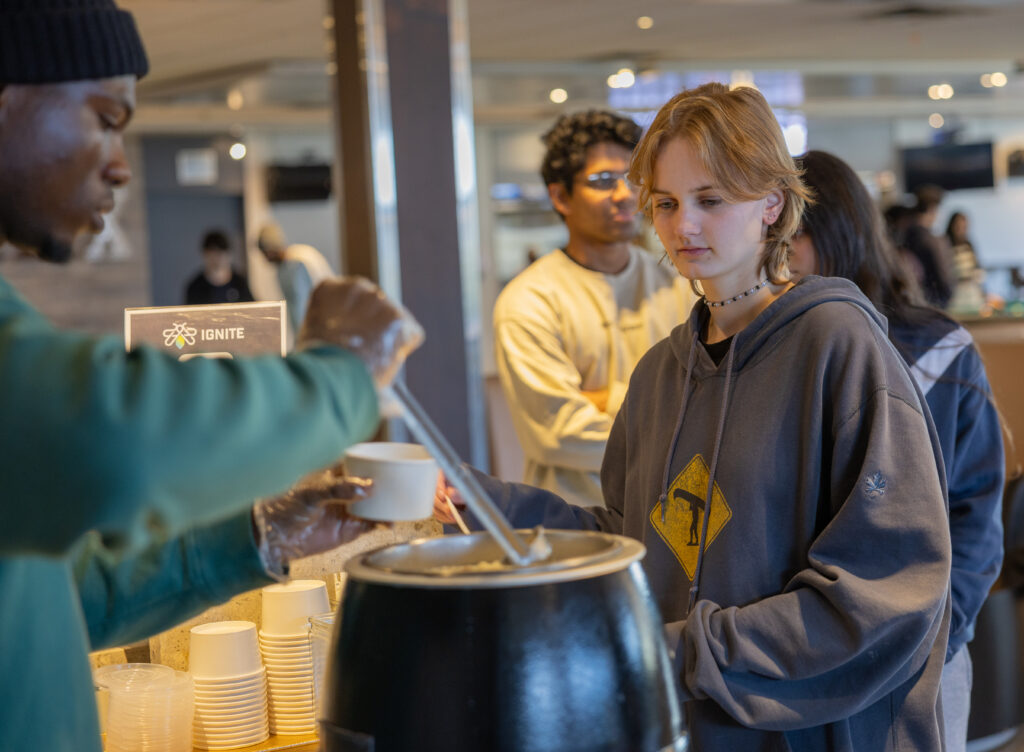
(975, 472)
(526, 507)
(868, 607)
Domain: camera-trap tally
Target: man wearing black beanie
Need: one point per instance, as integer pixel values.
(127, 479)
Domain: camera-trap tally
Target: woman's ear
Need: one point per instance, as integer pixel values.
(773, 204)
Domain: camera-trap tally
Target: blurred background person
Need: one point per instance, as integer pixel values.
(300, 268)
(968, 276)
(928, 251)
(218, 282)
(570, 328)
(841, 236)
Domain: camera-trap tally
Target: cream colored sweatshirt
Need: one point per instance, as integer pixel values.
(562, 329)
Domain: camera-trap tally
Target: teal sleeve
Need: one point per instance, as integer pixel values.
(129, 597)
(140, 447)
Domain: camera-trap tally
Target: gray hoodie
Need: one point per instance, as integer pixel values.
(819, 610)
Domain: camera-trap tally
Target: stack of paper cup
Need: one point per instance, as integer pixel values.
(149, 708)
(321, 629)
(287, 654)
(230, 685)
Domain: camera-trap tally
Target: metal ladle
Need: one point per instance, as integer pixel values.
(424, 429)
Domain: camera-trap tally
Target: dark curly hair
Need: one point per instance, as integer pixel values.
(571, 135)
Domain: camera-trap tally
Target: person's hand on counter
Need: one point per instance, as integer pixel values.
(443, 492)
(354, 313)
(309, 518)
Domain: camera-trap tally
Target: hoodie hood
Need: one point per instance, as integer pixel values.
(809, 292)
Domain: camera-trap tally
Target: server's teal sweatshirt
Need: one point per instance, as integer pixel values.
(125, 487)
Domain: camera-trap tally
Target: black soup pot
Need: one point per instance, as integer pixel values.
(563, 656)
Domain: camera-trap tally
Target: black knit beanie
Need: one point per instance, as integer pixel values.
(50, 41)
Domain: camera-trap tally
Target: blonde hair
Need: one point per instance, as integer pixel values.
(740, 144)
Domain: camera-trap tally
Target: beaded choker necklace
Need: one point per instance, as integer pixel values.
(734, 298)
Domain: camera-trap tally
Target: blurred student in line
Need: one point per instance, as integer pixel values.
(930, 254)
(968, 292)
(300, 268)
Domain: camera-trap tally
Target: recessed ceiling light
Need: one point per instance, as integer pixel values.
(998, 79)
(986, 80)
(935, 120)
(644, 22)
(558, 95)
(235, 99)
(237, 150)
(623, 79)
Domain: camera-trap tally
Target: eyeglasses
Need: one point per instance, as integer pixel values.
(605, 180)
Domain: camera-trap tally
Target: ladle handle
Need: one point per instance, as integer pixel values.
(423, 428)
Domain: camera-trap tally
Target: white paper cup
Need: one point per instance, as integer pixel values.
(404, 476)
(286, 607)
(224, 650)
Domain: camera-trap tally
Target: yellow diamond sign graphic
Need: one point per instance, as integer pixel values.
(179, 341)
(684, 514)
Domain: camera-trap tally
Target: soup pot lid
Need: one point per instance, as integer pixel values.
(477, 561)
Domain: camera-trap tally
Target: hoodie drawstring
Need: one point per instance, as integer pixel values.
(679, 425)
(695, 585)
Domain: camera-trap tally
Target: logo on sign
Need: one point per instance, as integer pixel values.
(179, 335)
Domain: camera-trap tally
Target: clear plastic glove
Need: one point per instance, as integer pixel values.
(309, 518)
(354, 313)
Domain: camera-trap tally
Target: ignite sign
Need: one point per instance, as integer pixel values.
(212, 331)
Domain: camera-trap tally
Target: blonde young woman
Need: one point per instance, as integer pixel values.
(773, 455)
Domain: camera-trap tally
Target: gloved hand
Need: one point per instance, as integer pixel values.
(309, 518)
(354, 313)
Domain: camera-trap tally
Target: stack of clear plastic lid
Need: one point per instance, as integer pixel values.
(287, 653)
(321, 630)
(149, 708)
(230, 685)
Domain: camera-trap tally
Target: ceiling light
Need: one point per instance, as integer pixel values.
(998, 79)
(945, 91)
(328, 22)
(935, 120)
(933, 92)
(235, 99)
(623, 79)
(558, 95)
(237, 150)
(644, 22)
(986, 80)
